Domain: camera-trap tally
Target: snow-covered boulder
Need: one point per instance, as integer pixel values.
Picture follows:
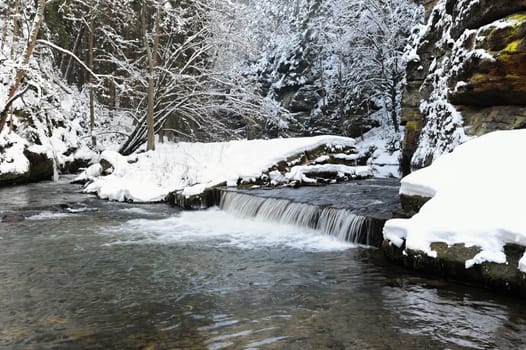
(474, 218)
(20, 163)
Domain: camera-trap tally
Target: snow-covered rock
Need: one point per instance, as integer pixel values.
(477, 193)
(194, 167)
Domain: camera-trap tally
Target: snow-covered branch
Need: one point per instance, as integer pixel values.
(71, 54)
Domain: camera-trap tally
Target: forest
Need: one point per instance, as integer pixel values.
(203, 70)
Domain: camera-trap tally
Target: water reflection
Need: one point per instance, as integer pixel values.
(456, 317)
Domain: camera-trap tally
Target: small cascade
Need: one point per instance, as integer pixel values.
(340, 223)
(343, 224)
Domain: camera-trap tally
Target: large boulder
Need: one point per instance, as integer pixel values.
(40, 168)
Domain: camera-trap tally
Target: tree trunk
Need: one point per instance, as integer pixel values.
(394, 116)
(6, 27)
(16, 20)
(152, 63)
(90, 78)
(67, 73)
(37, 22)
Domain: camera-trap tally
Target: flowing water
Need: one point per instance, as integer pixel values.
(339, 223)
(81, 273)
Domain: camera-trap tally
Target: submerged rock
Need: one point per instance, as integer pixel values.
(11, 218)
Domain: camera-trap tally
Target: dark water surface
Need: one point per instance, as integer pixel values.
(82, 273)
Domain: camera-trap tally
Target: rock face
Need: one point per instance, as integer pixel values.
(466, 76)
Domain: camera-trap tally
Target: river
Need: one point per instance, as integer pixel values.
(80, 273)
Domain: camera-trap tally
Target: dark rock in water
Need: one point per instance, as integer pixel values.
(420, 281)
(411, 205)
(209, 198)
(10, 218)
(40, 166)
(75, 166)
(76, 208)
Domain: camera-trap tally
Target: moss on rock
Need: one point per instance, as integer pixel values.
(412, 204)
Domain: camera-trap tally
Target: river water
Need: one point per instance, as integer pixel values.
(80, 273)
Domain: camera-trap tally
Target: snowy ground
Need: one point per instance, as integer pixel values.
(193, 167)
(478, 193)
(383, 144)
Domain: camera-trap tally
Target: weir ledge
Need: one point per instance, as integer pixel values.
(354, 211)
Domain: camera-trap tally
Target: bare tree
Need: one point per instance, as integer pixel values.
(151, 57)
(37, 22)
(371, 49)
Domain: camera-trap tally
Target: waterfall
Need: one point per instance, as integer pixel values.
(340, 223)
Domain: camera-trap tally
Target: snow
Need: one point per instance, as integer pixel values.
(194, 167)
(477, 195)
(299, 172)
(12, 159)
(382, 146)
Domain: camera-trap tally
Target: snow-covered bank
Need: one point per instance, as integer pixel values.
(47, 130)
(478, 194)
(194, 167)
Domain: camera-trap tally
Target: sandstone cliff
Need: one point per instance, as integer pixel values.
(466, 76)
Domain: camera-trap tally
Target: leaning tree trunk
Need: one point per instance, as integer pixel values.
(16, 20)
(37, 22)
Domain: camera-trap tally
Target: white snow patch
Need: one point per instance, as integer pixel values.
(383, 146)
(298, 173)
(477, 193)
(12, 158)
(193, 167)
(347, 157)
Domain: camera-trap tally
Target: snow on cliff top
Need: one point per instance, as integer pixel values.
(193, 167)
(479, 194)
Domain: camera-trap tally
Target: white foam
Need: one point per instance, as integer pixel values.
(223, 229)
(138, 211)
(49, 215)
